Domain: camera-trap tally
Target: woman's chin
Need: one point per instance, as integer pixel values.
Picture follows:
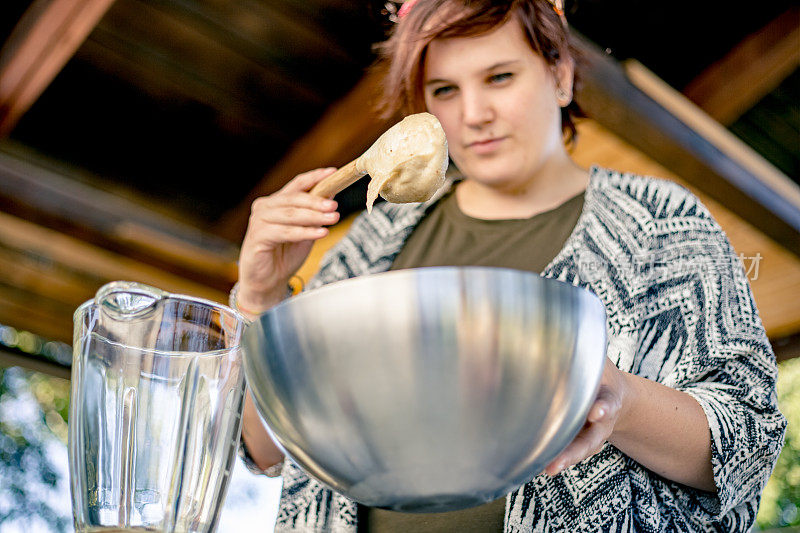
(495, 180)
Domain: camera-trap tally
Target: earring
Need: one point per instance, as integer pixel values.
(561, 94)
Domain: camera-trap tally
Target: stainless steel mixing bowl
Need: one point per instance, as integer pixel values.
(428, 390)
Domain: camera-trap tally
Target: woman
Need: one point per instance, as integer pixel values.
(685, 429)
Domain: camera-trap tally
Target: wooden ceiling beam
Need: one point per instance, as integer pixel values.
(114, 223)
(46, 275)
(94, 262)
(714, 133)
(644, 111)
(750, 71)
(45, 278)
(43, 41)
(26, 311)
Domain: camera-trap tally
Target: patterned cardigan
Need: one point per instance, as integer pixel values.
(680, 312)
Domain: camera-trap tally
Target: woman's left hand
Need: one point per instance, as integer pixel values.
(608, 408)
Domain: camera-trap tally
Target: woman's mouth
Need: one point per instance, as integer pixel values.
(486, 146)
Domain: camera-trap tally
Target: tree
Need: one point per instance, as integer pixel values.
(33, 414)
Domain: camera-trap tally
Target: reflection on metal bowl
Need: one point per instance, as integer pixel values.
(430, 389)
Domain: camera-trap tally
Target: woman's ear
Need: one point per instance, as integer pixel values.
(564, 73)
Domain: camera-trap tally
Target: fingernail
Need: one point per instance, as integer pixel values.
(330, 204)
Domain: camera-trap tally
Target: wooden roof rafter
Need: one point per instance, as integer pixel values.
(640, 108)
(750, 71)
(44, 40)
(48, 274)
(32, 191)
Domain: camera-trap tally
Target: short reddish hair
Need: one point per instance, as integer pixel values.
(402, 56)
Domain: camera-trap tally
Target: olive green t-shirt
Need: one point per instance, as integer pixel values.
(448, 237)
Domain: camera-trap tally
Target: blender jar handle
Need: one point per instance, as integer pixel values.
(126, 300)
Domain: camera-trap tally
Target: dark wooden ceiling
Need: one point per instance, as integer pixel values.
(188, 103)
(139, 159)
(192, 101)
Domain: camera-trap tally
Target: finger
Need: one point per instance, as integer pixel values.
(305, 181)
(598, 412)
(298, 199)
(588, 440)
(301, 199)
(582, 447)
(296, 216)
(282, 233)
(605, 407)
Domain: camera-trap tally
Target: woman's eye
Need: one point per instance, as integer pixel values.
(499, 78)
(444, 90)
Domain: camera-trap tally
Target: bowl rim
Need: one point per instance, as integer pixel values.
(424, 271)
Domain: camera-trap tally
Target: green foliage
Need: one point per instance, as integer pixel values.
(780, 503)
(26, 428)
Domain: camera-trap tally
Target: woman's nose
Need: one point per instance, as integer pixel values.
(476, 109)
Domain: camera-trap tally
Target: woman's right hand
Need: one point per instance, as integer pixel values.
(282, 228)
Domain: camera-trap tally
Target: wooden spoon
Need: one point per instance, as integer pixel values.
(407, 163)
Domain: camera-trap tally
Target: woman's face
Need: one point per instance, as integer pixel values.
(496, 100)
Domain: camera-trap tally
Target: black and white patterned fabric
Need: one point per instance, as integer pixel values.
(680, 312)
